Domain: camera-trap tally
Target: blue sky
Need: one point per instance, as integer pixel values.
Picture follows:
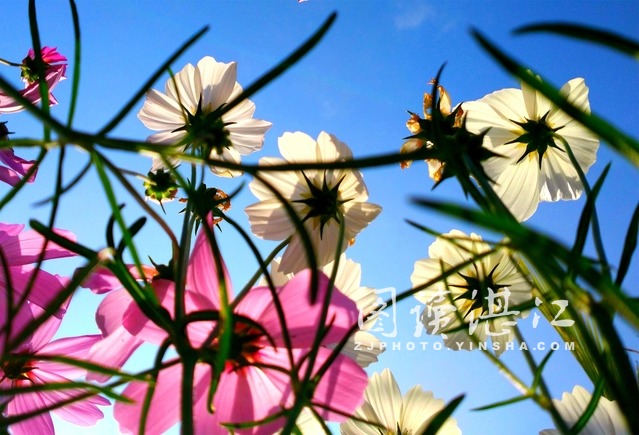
(369, 70)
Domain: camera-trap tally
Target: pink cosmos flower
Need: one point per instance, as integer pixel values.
(18, 251)
(255, 383)
(55, 68)
(24, 366)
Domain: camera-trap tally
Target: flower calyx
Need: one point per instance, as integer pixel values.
(160, 186)
(323, 203)
(206, 132)
(208, 200)
(538, 137)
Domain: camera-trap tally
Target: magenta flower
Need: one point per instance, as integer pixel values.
(55, 68)
(255, 383)
(25, 367)
(19, 250)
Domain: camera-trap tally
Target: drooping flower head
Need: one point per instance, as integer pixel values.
(188, 114)
(482, 294)
(413, 124)
(25, 366)
(160, 186)
(443, 138)
(322, 199)
(527, 132)
(607, 418)
(385, 407)
(54, 69)
(254, 383)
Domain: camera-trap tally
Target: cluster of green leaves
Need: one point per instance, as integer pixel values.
(595, 296)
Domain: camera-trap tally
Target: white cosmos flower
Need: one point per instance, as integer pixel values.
(186, 114)
(484, 292)
(522, 128)
(363, 347)
(320, 198)
(385, 406)
(607, 418)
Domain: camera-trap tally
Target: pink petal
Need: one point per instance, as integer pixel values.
(112, 351)
(28, 247)
(301, 316)
(50, 55)
(9, 176)
(19, 321)
(111, 311)
(71, 347)
(341, 388)
(17, 164)
(136, 322)
(164, 411)
(45, 287)
(24, 403)
(45, 332)
(103, 280)
(84, 412)
(253, 393)
(203, 276)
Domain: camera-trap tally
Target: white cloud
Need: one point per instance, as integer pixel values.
(413, 15)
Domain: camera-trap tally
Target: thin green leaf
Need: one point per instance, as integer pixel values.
(75, 80)
(288, 62)
(43, 86)
(629, 247)
(69, 186)
(586, 33)
(147, 85)
(501, 403)
(56, 238)
(590, 409)
(587, 215)
(133, 230)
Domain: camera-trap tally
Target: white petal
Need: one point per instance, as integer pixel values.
(217, 82)
(330, 148)
(559, 178)
(297, 147)
(269, 220)
(247, 135)
(518, 187)
(288, 184)
(357, 217)
(161, 112)
(183, 89)
(385, 398)
(419, 408)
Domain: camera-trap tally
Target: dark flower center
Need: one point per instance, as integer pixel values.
(207, 132)
(538, 136)
(17, 368)
(323, 202)
(245, 342)
(478, 291)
